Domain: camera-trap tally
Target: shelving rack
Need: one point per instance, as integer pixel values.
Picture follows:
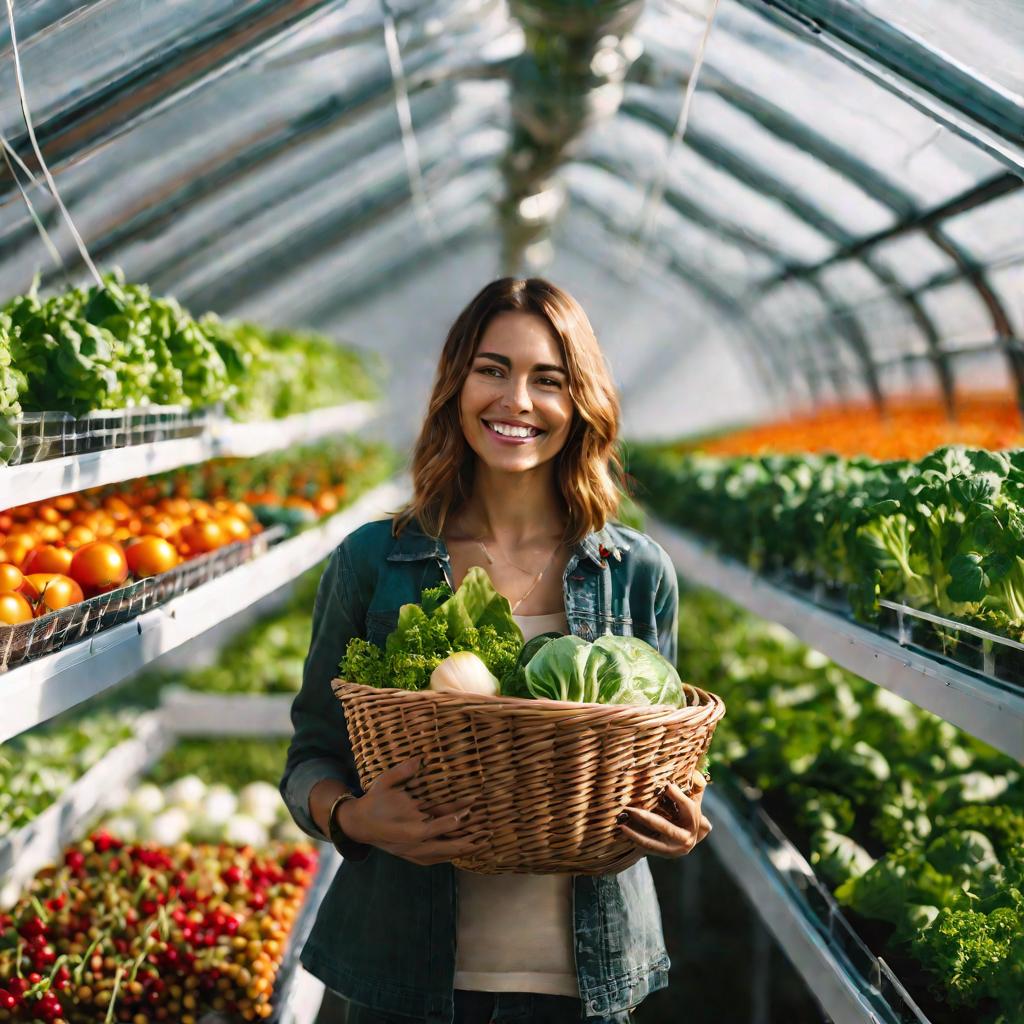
(851, 985)
(36, 481)
(38, 690)
(984, 707)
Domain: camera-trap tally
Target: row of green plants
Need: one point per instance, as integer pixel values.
(944, 534)
(120, 346)
(917, 826)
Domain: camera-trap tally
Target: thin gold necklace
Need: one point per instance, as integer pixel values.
(537, 578)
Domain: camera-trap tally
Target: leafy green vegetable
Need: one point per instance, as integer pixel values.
(612, 670)
(475, 618)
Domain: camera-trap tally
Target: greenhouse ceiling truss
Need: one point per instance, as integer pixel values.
(371, 81)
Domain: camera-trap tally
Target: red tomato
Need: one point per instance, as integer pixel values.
(11, 578)
(53, 590)
(150, 556)
(48, 559)
(100, 565)
(14, 609)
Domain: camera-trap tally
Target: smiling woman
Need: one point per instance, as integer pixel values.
(515, 473)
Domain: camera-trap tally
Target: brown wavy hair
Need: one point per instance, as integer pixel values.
(588, 467)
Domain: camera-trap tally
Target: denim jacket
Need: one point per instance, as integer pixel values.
(385, 932)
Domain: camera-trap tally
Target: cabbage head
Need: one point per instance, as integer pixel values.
(612, 670)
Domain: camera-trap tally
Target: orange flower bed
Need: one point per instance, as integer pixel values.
(911, 428)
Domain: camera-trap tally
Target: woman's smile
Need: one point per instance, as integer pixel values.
(511, 432)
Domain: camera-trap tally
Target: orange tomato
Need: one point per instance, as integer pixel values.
(150, 556)
(14, 609)
(52, 591)
(99, 565)
(233, 527)
(49, 533)
(11, 578)
(78, 536)
(176, 507)
(117, 508)
(65, 503)
(6, 522)
(201, 537)
(158, 526)
(16, 552)
(326, 503)
(48, 558)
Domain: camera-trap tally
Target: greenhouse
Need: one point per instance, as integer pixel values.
(512, 511)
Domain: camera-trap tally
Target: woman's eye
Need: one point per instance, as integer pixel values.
(490, 371)
(550, 382)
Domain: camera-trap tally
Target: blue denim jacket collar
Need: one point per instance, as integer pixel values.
(414, 545)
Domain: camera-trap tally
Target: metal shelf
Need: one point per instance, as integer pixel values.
(848, 982)
(38, 690)
(983, 707)
(297, 994)
(24, 852)
(35, 481)
(194, 713)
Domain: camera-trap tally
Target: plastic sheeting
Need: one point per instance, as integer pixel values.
(843, 217)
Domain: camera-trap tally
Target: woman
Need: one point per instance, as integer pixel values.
(513, 471)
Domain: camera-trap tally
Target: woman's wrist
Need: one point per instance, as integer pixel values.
(345, 813)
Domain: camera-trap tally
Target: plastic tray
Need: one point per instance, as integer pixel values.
(39, 436)
(54, 630)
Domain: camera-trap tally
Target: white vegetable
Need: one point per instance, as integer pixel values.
(168, 828)
(147, 800)
(218, 804)
(463, 672)
(123, 827)
(242, 830)
(188, 791)
(262, 801)
(287, 831)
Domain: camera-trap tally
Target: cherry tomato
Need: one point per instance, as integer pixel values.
(99, 565)
(14, 609)
(48, 558)
(150, 556)
(11, 578)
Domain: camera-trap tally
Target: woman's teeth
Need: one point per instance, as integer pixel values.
(509, 431)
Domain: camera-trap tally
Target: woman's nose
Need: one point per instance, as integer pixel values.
(517, 396)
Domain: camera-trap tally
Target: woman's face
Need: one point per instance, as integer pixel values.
(515, 406)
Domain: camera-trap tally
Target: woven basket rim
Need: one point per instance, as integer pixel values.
(711, 706)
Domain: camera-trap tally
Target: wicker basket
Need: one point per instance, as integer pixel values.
(552, 776)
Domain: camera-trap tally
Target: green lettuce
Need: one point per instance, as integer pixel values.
(475, 618)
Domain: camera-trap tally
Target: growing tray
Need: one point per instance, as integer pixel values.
(54, 630)
(39, 436)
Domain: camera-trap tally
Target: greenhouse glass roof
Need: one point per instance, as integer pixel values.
(835, 212)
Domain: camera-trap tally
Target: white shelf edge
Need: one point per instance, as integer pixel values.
(301, 993)
(40, 842)
(40, 689)
(188, 712)
(36, 481)
(987, 712)
(838, 992)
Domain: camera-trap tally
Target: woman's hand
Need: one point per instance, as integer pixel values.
(387, 817)
(676, 831)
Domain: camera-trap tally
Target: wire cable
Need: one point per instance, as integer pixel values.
(410, 147)
(52, 249)
(22, 98)
(652, 201)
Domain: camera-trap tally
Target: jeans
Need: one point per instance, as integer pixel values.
(499, 1008)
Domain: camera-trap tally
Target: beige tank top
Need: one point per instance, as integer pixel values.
(514, 933)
